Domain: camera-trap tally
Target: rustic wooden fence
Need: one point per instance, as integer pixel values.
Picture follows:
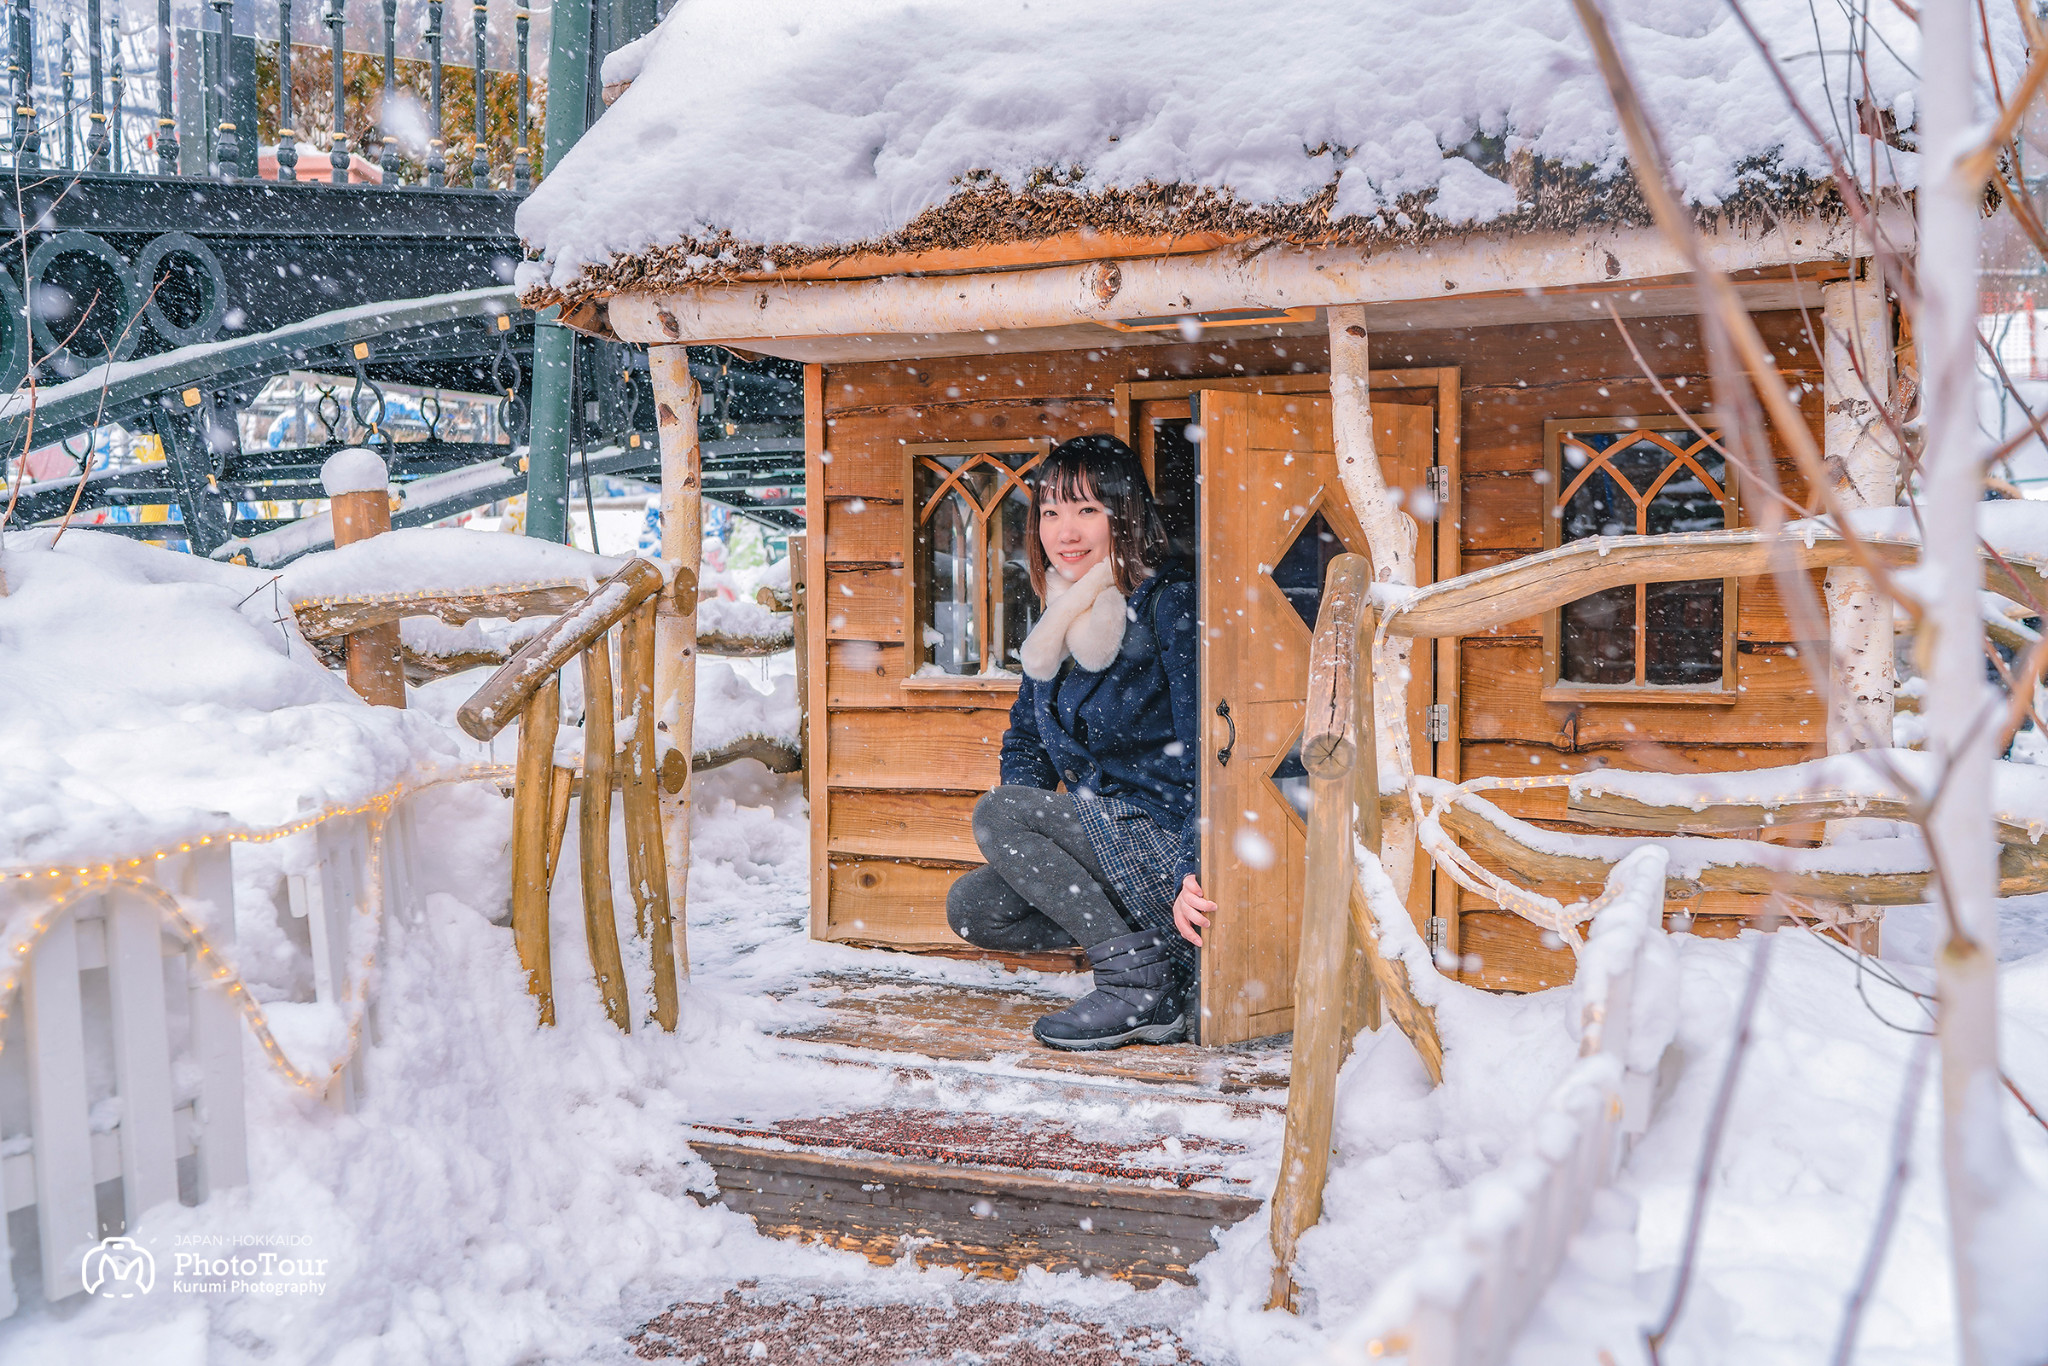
(1469, 1290)
(527, 687)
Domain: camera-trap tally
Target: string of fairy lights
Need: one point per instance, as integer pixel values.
(76, 883)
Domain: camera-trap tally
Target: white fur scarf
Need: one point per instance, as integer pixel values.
(1084, 618)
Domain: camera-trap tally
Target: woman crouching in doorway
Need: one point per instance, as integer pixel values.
(1108, 708)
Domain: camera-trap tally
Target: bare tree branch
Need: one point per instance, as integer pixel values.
(1888, 1208)
(1710, 1147)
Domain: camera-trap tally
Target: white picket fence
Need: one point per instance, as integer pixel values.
(121, 1049)
(1471, 1287)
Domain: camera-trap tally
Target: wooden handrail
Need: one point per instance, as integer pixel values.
(1516, 847)
(1329, 741)
(1341, 975)
(1619, 812)
(322, 618)
(505, 693)
(1487, 598)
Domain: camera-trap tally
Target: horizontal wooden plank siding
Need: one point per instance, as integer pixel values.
(863, 604)
(864, 673)
(1504, 952)
(904, 824)
(954, 751)
(865, 531)
(888, 901)
(1502, 700)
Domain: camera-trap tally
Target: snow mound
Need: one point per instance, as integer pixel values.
(153, 696)
(832, 124)
(730, 708)
(743, 620)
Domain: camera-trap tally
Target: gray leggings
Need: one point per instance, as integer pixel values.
(1042, 887)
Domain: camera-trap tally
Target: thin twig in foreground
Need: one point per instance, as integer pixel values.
(1717, 1124)
(1888, 1210)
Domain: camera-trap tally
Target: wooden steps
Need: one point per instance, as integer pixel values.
(951, 1205)
(992, 1192)
(906, 1017)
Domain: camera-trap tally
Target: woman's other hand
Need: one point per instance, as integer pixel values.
(1191, 910)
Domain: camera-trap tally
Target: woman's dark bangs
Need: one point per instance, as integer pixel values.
(1077, 475)
(1069, 481)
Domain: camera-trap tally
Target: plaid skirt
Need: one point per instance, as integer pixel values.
(1139, 859)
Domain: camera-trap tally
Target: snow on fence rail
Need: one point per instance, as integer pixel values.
(120, 1050)
(1464, 1298)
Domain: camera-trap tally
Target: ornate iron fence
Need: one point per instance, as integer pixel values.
(190, 96)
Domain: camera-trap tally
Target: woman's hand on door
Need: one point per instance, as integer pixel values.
(1191, 910)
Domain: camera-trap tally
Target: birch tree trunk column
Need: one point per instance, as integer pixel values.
(676, 399)
(1856, 362)
(1856, 359)
(1978, 1162)
(1390, 538)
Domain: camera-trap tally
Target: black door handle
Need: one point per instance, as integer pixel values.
(1223, 710)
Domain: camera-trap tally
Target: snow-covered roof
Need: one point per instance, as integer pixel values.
(758, 135)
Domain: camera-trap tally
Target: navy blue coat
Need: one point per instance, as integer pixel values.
(1131, 731)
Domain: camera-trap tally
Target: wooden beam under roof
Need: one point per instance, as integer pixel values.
(765, 316)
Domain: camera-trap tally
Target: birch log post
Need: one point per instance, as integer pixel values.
(533, 778)
(640, 788)
(1977, 1156)
(1390, 537)
(1856, 362)
(357, 486)
(594, 834)
(1322, 968)
(676, 401)
(562, 788)
(1333, 737)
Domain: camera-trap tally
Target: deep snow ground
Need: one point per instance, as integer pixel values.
(509, 1194)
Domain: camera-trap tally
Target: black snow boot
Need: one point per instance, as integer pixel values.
(1137, 999)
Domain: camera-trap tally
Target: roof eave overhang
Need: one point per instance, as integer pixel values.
(1274, 276)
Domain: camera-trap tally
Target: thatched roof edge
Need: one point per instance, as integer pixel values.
(986, 212)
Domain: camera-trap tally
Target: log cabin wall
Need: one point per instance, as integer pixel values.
(1515, 379)
(903, 761)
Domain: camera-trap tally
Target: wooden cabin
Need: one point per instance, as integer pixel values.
(1534, 378)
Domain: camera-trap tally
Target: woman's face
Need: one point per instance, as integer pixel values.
(1074, 532)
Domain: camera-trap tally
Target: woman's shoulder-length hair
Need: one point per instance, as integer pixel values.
(1101, 467)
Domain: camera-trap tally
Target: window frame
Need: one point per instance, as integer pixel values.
(1555, 689)
(918, 588)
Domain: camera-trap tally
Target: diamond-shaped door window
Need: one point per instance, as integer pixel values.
(1291, 780)
(1301, 570)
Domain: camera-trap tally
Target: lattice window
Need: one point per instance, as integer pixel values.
(1629, 476)
(972, 515)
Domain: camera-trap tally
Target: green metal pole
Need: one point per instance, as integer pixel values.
(554, 346)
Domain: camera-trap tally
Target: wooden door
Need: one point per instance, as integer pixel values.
(1273, 513)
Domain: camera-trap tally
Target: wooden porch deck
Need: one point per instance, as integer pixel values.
(992, 1193)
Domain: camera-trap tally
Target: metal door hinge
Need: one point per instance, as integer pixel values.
(1437, 725)
(1440, 483)
(1433, 933)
